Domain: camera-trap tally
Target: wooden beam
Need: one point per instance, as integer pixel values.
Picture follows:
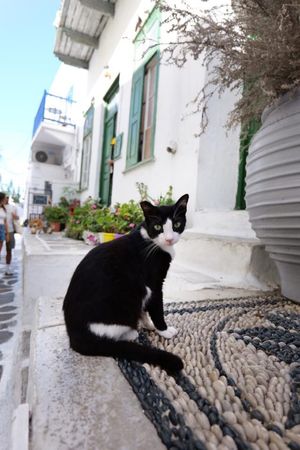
(81, 38)
(76, 62)
(108, 9)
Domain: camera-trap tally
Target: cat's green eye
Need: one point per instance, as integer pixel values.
(157, 227)
(177, 225)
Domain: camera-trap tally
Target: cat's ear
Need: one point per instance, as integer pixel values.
(181, 204)
(148, 209)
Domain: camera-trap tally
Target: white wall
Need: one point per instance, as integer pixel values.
(65, 78)
(113, 57)
(55, 174)
(58, 139)
(40, 172)
(179, 170)
(206, 167)
(176, 88)
(218, 157)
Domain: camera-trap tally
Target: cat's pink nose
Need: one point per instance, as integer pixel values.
(169, 241)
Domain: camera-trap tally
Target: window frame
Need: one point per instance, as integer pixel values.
(151, 28)
(87, 142)
(146, 109)
(132, 156)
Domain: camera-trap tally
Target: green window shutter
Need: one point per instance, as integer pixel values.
(135, 116)
(86, 148)
(247, 133)
(118, 146)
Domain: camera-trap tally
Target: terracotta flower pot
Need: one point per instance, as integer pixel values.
(55, 226)
(273, 189)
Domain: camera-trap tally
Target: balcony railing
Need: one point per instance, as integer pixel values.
(55, 109)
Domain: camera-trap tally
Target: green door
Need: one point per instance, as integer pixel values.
(106, 172)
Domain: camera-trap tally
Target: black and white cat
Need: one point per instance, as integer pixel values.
(119, 285)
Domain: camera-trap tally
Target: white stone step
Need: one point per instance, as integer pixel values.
(77, 401)
(204, 260)
(20, 428)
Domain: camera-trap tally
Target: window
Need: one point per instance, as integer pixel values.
(142, 112)
(143, 92)
(147, 117)
(86, 149)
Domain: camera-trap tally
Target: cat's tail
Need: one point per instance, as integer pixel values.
(95, 346)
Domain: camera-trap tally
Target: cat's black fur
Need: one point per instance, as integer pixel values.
(109, 286)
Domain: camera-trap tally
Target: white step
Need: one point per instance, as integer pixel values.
(204, 260)
(77, 401)
(20, 428)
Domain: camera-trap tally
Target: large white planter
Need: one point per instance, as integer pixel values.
(273, 189)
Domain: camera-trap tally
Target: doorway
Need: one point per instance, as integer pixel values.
(109, 142)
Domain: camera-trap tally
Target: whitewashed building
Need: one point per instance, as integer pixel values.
(130, 128)
(53, 161)
(133, 99)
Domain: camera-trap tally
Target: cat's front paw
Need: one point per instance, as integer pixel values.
(131, 335)
(168, 333)
(146, 322)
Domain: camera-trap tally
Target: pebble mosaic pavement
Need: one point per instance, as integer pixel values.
(8, 308)
(240, 388)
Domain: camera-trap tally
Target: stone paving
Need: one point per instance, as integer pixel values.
(49, 261)
(8, 307)
(10, 326)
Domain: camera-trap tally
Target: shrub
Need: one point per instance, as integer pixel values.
(55, 214)
(252, 46)
(127, 216)
(122, 218)
(166, 199)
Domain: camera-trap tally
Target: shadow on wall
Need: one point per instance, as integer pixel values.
(263, 267)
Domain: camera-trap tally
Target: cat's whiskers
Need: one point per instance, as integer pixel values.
(150, 250)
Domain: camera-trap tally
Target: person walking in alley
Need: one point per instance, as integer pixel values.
(11, 215)
(4, 234)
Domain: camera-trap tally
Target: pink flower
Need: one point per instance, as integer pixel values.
(94, 206)
(77, 221)
(131, 225)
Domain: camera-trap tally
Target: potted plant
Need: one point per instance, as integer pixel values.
(106, 227)
(81, 220)
(56, 216)
(69, 205)
(252, 47)
(120, 219)
(166, 199)
(96, 224)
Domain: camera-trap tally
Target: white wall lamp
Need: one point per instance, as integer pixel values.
(107, 73)
(172, 147)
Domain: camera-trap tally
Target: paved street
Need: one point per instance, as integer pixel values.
(10, 329)
(8, 309)
(41, 277)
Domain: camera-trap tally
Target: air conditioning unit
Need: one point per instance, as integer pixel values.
(41, 156)
(48, 156)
